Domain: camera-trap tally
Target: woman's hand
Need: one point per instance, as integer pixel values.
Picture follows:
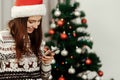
(47, 58)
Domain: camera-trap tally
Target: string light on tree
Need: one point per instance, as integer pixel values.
(74, 34)
(70, 27)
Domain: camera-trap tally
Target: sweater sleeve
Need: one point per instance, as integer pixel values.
(45, 71)
(45, 68)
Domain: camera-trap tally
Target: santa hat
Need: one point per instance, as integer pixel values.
(26, 8)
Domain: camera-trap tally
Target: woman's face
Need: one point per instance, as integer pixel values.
(32, 23)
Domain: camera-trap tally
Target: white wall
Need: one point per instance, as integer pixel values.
(5, 6)
(104, 25)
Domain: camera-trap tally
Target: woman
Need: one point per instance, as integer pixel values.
(20, 54)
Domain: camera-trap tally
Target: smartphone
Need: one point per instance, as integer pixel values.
(43, 52)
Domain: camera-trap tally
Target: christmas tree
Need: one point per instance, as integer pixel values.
(74, 57)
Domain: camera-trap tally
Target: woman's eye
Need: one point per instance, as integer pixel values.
(30, 22)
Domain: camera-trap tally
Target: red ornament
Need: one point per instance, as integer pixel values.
(51, 32)
(100, 73)
(60, 22)
(61, 78)
(84, 21)
(63, 36)
(88, 61)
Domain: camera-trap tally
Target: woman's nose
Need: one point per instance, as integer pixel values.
(36, 25)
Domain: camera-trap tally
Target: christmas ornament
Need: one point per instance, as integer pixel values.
(53, 25)
(63, 35)
(71, 70)
(88, 61)
(78, 50)
(60, 22)
(51, 32)
(61, 78)
(100, 73)
(57, 12)
(77, 13)
(84, 21)
(64, 52)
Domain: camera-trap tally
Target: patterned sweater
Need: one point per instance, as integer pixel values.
(28, 68)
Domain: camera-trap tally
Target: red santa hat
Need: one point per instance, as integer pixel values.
(26, 8)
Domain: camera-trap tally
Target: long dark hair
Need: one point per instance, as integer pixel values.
(18, 29)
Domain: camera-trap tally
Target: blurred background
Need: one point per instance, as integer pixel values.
(103, 18)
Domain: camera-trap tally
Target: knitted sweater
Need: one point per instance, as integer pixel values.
(28, 68)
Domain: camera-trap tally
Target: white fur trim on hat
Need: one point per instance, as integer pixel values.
(26, 11)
